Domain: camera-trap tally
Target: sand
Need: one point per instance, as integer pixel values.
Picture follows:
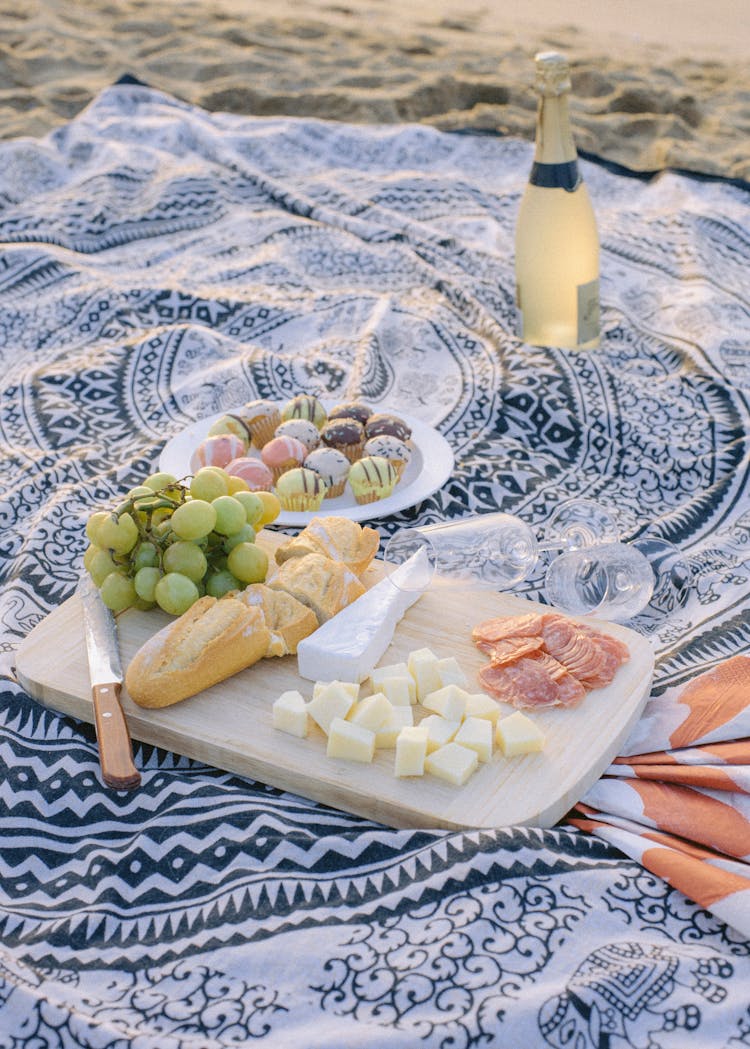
(657, 84)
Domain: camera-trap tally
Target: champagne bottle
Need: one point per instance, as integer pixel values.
(557, 245)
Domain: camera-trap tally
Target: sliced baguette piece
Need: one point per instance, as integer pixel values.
(321, 584)
(207, 644)
(337, 538)
(288, 620)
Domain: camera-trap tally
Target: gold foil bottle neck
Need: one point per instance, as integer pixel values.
(552, 73)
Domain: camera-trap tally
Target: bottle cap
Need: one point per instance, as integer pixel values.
(552, 73)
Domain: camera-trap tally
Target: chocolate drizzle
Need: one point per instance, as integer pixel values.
(377, 471)
(309, 482)
(243, 424)
(304, 406)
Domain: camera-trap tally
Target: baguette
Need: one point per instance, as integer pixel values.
(337, 538)
(210, 642)
(321, 584)
(288, 620)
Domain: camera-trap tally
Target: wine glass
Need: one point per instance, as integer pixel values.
(612, 581)
(487, 551)
(599, 574)
(590, 570)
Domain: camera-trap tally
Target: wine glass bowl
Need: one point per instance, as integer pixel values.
(492, 551)
(612, 581)
(578, 523)
(673, 577)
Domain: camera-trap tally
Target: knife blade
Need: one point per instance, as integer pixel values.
(105, 672)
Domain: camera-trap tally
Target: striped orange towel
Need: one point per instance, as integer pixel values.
(678, 798)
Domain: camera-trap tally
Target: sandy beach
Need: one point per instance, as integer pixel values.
(656, 85)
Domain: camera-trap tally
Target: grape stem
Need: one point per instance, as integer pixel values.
(145, 530)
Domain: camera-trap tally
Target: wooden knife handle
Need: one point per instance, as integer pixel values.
(115, 748)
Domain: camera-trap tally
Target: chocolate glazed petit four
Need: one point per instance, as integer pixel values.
(345, 435)
(351, 410)
(385, 423)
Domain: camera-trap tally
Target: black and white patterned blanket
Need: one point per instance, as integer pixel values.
(160, 263)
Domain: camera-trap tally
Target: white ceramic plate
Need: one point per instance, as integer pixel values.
(430, 467)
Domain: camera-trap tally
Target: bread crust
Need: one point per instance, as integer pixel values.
(321, 584)
(212, 641)
(287, 619)
(337, 538)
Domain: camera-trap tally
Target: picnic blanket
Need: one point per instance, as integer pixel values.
(160, 264)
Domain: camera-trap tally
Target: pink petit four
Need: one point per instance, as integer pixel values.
(253, 472)
(282, 454)
(217, 451)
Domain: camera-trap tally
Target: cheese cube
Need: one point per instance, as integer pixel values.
(334, 701)
(422, 664)
(449, 702)
(372, 712)
(385, 737)
(401, 691)
(411, 750)
(289, 714)
(349, 686)
(351, 742)
(452, 763)
(439, 731)
(399, 670)
(450, 672)
(480, 705)
(518, 734)
(476, 733)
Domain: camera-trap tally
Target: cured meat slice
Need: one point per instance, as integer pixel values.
(493, 630)
(544, 659)
(618, 649)
(571, 691)
(588, 655)
(524, 683)
(510, 648)
(554, 667)
(532, 682)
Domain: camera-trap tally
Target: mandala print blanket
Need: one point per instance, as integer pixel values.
(161, 264)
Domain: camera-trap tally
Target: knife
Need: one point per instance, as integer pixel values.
(105, 671)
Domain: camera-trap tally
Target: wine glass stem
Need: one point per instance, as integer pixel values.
(549, 545)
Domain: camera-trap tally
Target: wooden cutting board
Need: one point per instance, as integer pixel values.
(229, 726)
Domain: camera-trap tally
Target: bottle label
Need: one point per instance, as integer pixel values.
(588, 311)
(556, 176)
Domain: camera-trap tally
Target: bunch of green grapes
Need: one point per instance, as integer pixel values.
(170, 542)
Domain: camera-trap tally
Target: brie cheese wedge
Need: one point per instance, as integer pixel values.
(350, 644)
